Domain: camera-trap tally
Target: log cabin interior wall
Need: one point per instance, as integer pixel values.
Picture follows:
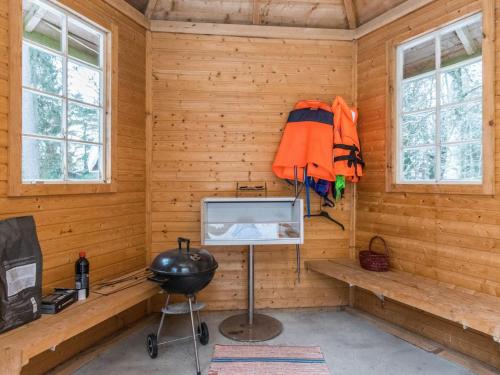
(219, 108)
(110, 227)
(448, 237)
(219, 105)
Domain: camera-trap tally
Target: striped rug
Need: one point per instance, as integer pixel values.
(267, 360)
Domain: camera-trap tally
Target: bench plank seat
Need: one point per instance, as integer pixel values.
(49, 331)
(469, 308)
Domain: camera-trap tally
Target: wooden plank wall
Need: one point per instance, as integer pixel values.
(219, 107)
(451, 238)
(110, 227)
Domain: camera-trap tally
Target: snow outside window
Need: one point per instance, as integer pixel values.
(440, 106)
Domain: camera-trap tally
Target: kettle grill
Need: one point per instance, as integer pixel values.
(182, 271)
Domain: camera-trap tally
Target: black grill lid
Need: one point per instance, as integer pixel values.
(183, 262)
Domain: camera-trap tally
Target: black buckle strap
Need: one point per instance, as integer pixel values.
(354, 157)
(350, 159)
(346, 147)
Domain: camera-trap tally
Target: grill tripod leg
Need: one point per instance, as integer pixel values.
(198, 371)
(163, 317)
(198, 320)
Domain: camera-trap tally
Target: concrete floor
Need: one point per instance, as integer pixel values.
(351, 345)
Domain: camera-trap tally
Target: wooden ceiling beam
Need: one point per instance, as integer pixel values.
(350, 12)
(391, 15)
(466, 40)
(34, 18)
(150, 8)
(128, 10)
(256, 31)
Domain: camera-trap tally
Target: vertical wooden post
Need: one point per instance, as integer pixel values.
(149, 145)
(353, 195)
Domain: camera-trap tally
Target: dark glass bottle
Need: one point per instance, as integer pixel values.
(82, 268)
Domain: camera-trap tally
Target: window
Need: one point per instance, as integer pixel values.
(64, 87)
(439, 106)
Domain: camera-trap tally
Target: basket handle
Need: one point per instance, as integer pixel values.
(386, 249)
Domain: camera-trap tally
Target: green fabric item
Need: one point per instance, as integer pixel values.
(339, 187)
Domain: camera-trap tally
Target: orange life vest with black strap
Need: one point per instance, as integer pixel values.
(347, 160)
(307, 143)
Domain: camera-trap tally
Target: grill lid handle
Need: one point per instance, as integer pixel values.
(180, 240)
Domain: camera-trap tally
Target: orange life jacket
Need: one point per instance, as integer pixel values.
(348, 160)
(307, 143)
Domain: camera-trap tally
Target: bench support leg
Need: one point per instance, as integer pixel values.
(381, 297)
(352, 295)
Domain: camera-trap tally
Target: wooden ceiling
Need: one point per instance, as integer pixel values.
(330, 14)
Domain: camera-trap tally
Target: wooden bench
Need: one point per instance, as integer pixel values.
(18, 346)
(469, 308)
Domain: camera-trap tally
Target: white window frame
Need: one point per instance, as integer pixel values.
(401, 48)
(66, 15)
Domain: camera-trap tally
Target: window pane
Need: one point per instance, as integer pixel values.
(84, 161)
(419, 164)
(83, 83)
(419, 94)
(84, 43)
(461, 44)
(84, 123)
(462, 123)
(42, 25)
(462, 84)
(419, 129)
(419, 59)
(42, 70)
(42, 159)
(42, 114)
(461, 162)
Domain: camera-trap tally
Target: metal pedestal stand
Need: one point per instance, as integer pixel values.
(251, 327)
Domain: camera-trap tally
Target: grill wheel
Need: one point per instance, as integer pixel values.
(152, 345)
(203, 332)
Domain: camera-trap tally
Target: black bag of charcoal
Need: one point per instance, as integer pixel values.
(20, 273)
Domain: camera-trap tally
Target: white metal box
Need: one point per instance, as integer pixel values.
(252, 221)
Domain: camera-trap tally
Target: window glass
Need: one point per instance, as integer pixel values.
(462, 123)
(462, 84)
(419, 94)
(42, 114)
(42, 25)
(83, 161)
(419, 164)
(84, 83)
(63, 115)
(42, 70)
(461, 162)
(42, 159)
(419, 59)
(461, 44)
(419, 129)
(84, 43)
(84, 123)
(440, 114)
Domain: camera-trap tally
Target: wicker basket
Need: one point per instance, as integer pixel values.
(372, 261)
